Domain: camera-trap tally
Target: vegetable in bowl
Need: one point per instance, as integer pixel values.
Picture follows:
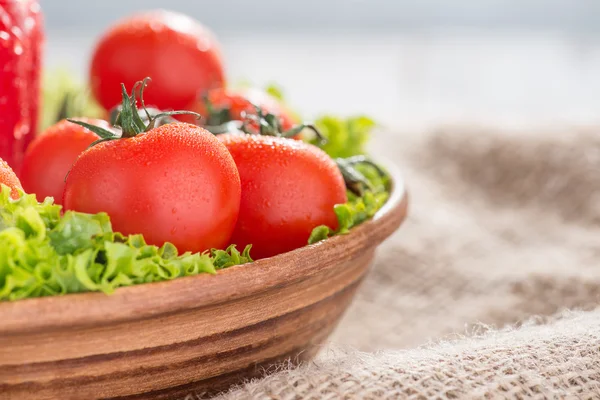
(173, 183)
(143, 187)
(44, 253)
(288, 188)
(48, 252)
(144, 202)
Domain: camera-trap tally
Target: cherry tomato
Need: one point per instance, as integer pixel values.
(176, 183)
(180, 55)
(236, 103)
(51, 155)
(288, 188)
(9, 178)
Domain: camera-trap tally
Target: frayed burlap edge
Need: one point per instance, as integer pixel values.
(560, 359)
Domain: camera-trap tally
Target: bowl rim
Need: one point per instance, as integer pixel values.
(140, 301)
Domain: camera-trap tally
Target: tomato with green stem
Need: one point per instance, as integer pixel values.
(220, 106)
(174, 183)
(264, 123)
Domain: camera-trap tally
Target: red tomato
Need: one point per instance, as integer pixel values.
(176, 183)
(8, 178)
(51, 155)
(240, 101)
(288, 188)
(180, 55)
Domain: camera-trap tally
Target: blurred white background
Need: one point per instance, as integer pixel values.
(411, 64)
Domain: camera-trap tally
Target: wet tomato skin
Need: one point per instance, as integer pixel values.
(288, 188)
(51, 155)
(176, 183)
(9, 178)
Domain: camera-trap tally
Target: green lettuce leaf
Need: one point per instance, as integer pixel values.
(346, 137)
(77, 231)
(275, 91)
(79, 252)
(358, 209)
(43, 253)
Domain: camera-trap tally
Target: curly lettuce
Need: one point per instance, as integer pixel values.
(345, 137)
(43, 253)
(357, 209)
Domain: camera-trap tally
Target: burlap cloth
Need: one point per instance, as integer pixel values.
(467, 300)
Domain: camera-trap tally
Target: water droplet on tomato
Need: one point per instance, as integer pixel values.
(29, 24)
(35, 7)
(16, 31)
(203, 44)
(156, 27)
(173, 230)
(21, 129)
(4, 38)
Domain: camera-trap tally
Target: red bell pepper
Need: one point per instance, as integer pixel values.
(21, 40)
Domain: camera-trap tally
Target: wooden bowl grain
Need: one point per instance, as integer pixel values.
(196, 334)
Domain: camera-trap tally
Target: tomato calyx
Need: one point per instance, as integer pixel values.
(116, 111)
(216, 117)
(270, 125)
(355, 181)
(258, 123)
(230, 127)
(130, 120)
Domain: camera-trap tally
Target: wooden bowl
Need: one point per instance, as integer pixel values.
(191, 335)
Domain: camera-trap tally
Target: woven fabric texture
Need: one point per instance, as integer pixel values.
(503, 231)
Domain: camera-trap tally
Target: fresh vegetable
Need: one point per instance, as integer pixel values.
(43, 253)
(21, 39)
(339, 137)
(344, 137)
(357, 182)
(220, 106)
(52, 154)
(176, 183)
(165, 185)
(8, 178)
(147, 114)
(368, 191)
(177, 52)
(265, 124)
(288, 188)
